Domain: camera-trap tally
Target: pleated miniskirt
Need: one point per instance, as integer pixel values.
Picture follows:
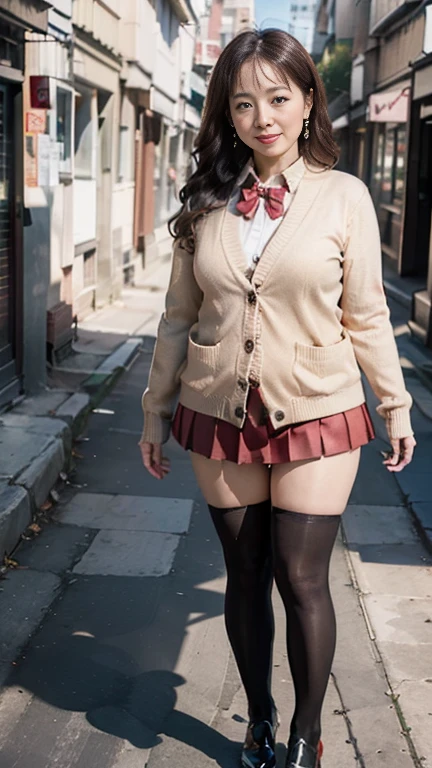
(258, 443)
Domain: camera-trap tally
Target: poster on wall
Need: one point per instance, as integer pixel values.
(36, 121)
(30, 160)
(43, 160)
(54, 164)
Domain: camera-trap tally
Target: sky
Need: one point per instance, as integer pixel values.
(272, 13)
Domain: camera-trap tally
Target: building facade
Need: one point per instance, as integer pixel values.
(100, 103)
(17, 19)
(383, 125)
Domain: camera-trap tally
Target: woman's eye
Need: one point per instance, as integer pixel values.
(280, 99)
(243, 105)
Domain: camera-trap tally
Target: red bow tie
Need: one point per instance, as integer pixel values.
(273, 200)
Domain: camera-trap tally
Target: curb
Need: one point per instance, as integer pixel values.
(397, 294)
(26, 482)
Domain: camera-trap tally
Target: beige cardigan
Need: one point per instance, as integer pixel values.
(314, 312)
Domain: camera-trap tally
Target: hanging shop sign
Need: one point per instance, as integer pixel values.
(40, 92)
(390, 106)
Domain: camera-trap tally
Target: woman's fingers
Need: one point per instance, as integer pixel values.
(153, 460)
(402, 453)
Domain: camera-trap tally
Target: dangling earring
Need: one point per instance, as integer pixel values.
(306, 131)
(235, 135)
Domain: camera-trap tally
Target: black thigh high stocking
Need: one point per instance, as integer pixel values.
(302, 546)
(245, 534)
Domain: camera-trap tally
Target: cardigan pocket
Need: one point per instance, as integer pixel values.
(321, 371)
(201, 364)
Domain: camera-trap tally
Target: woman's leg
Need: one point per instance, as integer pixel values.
(238, 498)
(308, 498)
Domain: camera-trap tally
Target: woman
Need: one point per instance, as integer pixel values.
(275, 298)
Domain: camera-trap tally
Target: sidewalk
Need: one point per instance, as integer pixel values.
(36, 436)
(119, 603)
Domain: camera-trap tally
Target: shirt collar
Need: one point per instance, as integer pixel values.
(292, 175)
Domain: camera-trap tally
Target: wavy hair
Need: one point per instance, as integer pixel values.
(217, 162)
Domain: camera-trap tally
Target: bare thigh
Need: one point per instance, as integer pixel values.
(315, 486)
(225, 484)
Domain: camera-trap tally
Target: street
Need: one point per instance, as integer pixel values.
(130, 665)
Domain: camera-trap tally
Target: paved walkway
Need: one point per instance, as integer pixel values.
(118, 609)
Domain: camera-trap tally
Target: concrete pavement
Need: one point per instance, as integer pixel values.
(36, 435)
(129, 664)
(112, 644)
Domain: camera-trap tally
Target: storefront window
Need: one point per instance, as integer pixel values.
(387, 168)
(399, 183)
(64, 129)
(85, 136)
(388, 180)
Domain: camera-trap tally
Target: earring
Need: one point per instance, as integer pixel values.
(235, 139)
(306, 131)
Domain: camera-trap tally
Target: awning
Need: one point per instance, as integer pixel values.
(340, 122)
(390, 106)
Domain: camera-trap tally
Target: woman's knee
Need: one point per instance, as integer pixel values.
(300, 585)
(245, 534)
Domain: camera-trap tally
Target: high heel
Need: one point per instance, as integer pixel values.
(303, 755)
(259, 747)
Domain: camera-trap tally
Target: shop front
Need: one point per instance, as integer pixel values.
(388, 111)
(9, 255)
(16, 16)
(417, 236)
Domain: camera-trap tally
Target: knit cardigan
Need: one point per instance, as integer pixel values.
(313, 312)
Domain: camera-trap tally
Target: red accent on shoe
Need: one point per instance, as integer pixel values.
(320, 751)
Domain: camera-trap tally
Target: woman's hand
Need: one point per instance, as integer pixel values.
(401, 454)
(153, 460)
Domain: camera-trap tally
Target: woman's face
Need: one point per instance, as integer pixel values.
(267, 113)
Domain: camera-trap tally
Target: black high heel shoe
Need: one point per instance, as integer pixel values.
(259, 747)
(303, 755)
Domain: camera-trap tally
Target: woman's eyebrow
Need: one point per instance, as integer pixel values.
(268, 90)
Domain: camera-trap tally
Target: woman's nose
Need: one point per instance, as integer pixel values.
(263, 118)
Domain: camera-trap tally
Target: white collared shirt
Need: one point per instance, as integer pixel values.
(256, 232)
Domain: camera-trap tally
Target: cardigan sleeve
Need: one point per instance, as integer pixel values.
(182, 303)
(366, 316)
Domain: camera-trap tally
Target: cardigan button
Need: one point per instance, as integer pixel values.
(249, 345)
(279, 415)
(252, 299)
(242, 384)
(239, 412)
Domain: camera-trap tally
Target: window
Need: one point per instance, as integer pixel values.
(89, 268)
(64, 129)
(85, 135)
(168, 21)
(389, 171)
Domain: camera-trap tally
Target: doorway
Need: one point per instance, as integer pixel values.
(9, 385)
(424, 198)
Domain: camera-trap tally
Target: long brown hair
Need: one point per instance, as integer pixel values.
(218, 163)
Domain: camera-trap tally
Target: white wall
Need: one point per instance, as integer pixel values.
(138, 33)
(84, 210)
(60, 18)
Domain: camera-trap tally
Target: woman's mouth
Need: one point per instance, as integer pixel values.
(268, 138)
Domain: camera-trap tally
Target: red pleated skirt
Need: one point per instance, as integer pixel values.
(258, 443)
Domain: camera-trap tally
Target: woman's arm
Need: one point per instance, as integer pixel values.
(182, 303)
(367, 319)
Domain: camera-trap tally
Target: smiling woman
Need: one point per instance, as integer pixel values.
(269, 117)
(275, 300)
